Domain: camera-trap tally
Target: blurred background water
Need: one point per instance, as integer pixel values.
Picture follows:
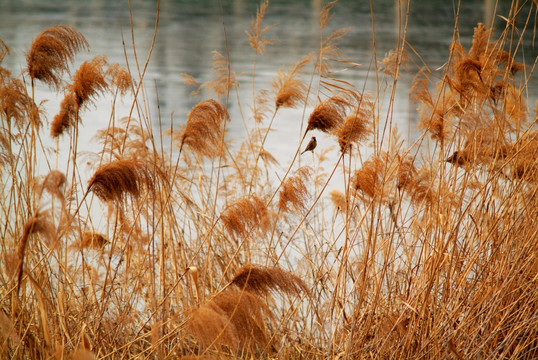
(189, 30)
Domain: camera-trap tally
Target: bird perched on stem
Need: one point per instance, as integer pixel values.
(311, 145)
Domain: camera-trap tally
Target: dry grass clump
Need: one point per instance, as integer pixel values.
(423, 249)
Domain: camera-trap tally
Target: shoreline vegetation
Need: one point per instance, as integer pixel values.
(427, 251)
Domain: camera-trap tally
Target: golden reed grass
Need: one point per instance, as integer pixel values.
(426, 249)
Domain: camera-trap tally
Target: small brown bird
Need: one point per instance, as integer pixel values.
(311, 145)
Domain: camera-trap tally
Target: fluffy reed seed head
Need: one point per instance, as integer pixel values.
(38, 224)
(88, 82)
(261, 280)
(368, 179)
(51, 53)
(294, 193)
(356, 127)
(93, 240)
(329, 114)
(245, 216)
(232, 318)
(66, 118)
(338, 199)
(114, 180)
(120, 78)
(15, 104)
(290, 90)
(205, 128)
(54, 183)
(255, 35)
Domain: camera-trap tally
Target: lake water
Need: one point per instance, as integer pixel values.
(189, 31)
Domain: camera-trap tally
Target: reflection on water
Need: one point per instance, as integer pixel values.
(189, 31)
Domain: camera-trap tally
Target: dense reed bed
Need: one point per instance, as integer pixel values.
(180, 243)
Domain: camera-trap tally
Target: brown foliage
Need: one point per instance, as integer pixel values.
(92, 240)
(89, 80)
(52, 51)
(205, 128)
(294, 193)
(261, 280)
(393, 60)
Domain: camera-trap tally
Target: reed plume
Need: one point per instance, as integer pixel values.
(328, 50)
(369, 178)
(15, 104)
(51, 53)
(338, 199)
(66, 117)
(224, 77)
(92, 240)
(262, 280)
(4, 50)
(246, 215)
(120, 78)
(114, 180)
(54, 183)
(330, 113)
(294, 193)
(233, 318)
(393, 60)
(38, 224)
(205, 128)
(290, 90)
(255, 35)
(356, 126)
(88, 82)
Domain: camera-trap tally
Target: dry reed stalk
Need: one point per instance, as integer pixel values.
(51, 53)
